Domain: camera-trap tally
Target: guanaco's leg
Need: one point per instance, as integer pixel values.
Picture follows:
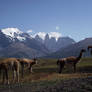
(7, 77)
(3, 76)
(17, 75)
(17, 72)
(60, 70)
(74, 68)
(22, 70)
(61, 66)
(0, 73)
(14, 75)
(30, 69)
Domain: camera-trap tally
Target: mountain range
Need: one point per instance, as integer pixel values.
(15, 43)
(72, 50)
(54, 44)
(18, 44)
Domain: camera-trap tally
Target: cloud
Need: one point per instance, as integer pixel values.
(57, 27)
(29, 31)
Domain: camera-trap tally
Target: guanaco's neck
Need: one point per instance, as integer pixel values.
(80, 55)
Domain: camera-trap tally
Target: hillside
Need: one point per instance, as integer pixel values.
(72, 50)
(20, 44)
(14, 43)
(54, 43)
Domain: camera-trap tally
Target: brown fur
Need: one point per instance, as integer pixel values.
(69, 61)
(28, 63)
(9, 64)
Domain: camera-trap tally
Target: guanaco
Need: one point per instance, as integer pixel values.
(9, 64)
(69, 60)
(28, 62)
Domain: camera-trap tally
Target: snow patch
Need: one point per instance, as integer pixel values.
(21, 38)
(42, 35)
(13, 33)
(56, 35)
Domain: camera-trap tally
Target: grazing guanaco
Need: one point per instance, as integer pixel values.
(9, 64)
(28, 62)
(69, 60)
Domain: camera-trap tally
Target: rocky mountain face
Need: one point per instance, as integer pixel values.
(4, 41)
(52, 44)
(73, 49)
(19, 44)
(15, 43)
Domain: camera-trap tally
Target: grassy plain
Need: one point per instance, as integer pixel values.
(45, 78)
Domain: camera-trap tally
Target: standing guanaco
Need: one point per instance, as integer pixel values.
(28, 62)
(69, 60)
(9, 64)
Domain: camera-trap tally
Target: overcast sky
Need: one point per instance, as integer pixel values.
(68, 17)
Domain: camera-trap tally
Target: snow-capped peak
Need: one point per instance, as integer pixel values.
(13, 33)
(56, 35)
(42, 35)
